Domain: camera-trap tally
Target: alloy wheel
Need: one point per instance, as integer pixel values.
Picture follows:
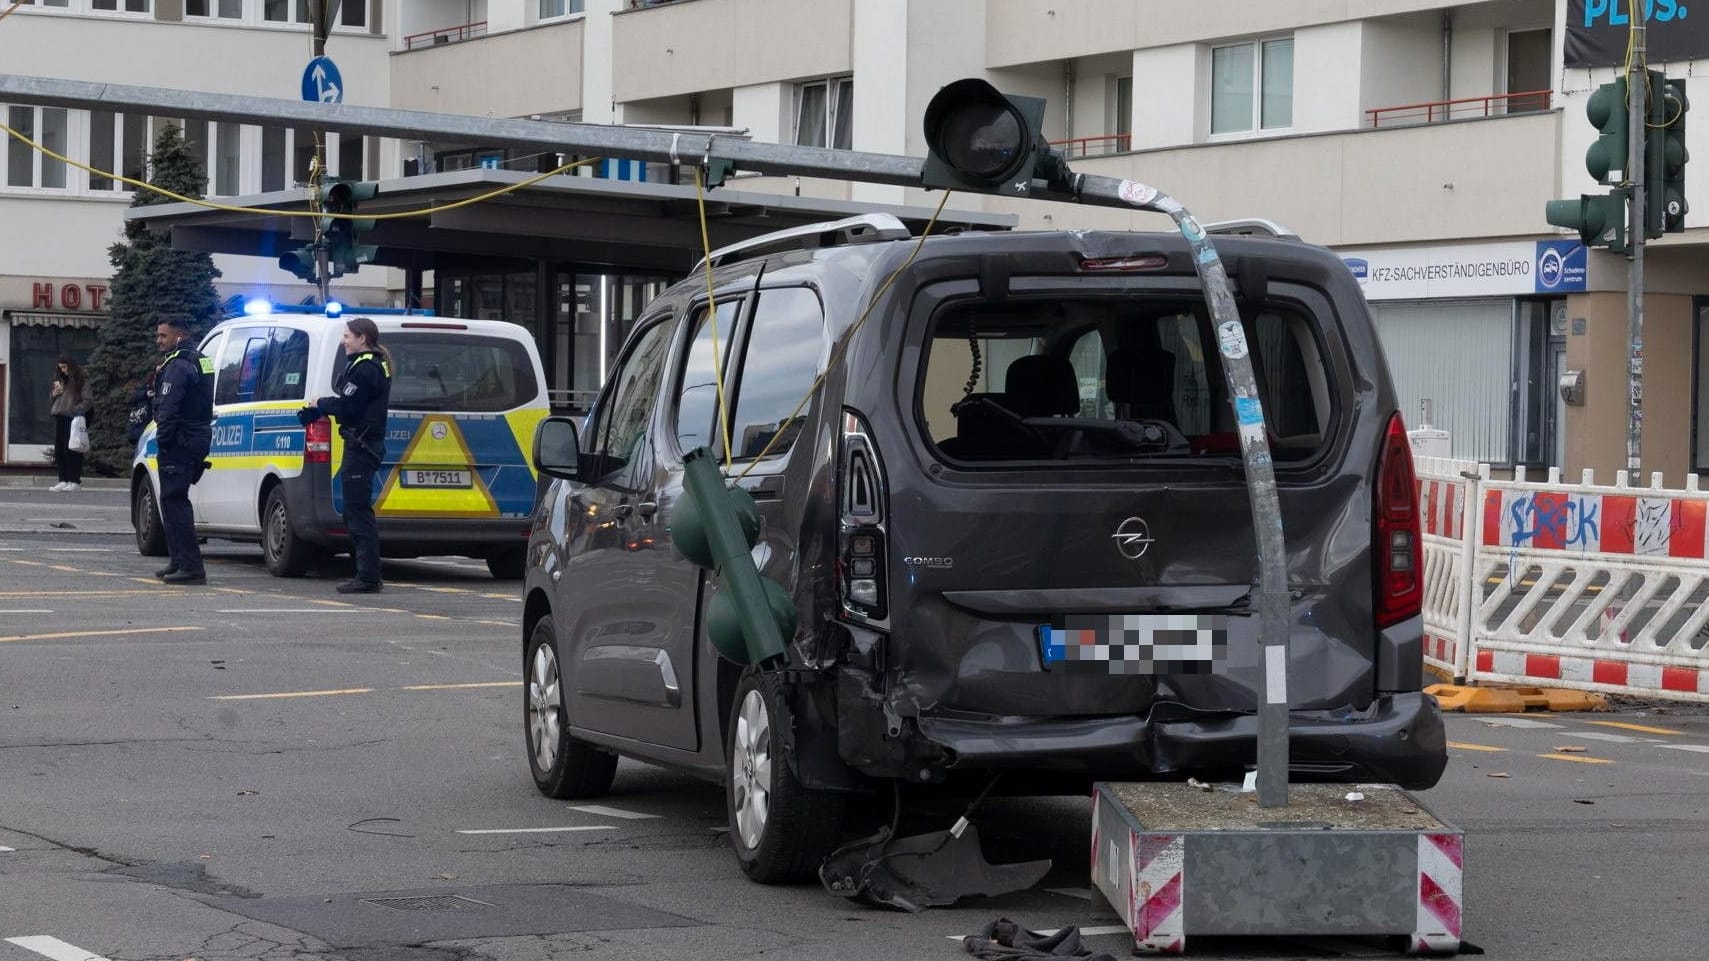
(545, 717)
(750, 768)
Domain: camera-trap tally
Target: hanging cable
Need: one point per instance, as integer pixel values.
(712, 318)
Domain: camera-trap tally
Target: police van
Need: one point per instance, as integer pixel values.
(457, 478)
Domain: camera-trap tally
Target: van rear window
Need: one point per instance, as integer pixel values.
(1112, 379)
(442, 370)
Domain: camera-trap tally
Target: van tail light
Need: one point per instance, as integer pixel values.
(317, 442)
(862, 505)
(1398, 542)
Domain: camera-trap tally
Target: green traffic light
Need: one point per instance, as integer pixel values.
(1607, 110)
(1600, 219)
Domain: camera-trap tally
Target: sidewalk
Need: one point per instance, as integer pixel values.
(28, 507)
(44, 479)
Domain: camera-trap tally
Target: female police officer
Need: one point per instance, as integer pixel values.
(360, 409)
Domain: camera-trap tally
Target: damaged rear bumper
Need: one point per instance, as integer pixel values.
(1399, 739)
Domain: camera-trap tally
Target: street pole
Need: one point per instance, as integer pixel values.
(1637, 87)
(321, 12)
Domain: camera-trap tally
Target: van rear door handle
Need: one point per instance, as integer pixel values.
(766, 489)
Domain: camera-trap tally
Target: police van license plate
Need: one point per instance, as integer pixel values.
(428, 477)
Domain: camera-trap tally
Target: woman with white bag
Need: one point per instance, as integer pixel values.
(70, 428)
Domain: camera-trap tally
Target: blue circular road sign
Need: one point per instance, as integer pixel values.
(321, 82)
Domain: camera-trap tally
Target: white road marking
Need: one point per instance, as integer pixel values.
(26, 610)
(285, 610)
(4, 848)
(61, 550)
(49, 947)
(1605, 736)
(1693, 748)
(604, 811)
(580, 827)
(1523, 722)
(1084, 932)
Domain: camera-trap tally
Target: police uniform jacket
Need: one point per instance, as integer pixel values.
(361, 403)
(184, 402)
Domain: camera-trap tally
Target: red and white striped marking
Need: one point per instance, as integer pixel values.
(1154, 909)
(1441, 649)
(1625, 524)
(1441, 507)
(1601, 672)
(1441, 863)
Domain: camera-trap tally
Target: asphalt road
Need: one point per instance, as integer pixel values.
(262, 769)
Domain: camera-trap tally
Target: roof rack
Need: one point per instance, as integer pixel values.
(860, 229)
(1251, 227)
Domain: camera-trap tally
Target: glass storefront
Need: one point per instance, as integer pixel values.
(579, 329)
(35, 342)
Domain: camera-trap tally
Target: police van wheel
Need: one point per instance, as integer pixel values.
(145, 520)
(507, 565)
(781, 830)
(286, 554)
(563, 766)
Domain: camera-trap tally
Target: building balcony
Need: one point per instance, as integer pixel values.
(1462, 108)
(674, 49)
(453, 34)
(478, 73)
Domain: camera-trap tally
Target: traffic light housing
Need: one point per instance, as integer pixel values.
(301, 262)
(979, 139)
(1600, 219)
(1608, 113)
(343, 253)
(1665, 156)
(715, 526)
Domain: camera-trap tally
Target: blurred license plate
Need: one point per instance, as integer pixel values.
(1136, 643)
(419, 477)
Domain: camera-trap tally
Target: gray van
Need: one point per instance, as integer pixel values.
(1000, 476)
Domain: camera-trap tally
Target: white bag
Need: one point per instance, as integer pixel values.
(79, 441)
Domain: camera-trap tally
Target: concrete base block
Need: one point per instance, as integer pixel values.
(1175, 860)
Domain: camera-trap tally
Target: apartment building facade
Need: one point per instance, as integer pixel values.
(1419, 138)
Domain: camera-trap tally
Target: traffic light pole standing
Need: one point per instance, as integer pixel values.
(1637, 116)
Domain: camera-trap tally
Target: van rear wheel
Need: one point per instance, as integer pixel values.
(781, 830)
(145, 520)
(286, 554)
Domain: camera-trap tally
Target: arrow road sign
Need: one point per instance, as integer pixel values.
(321, 82)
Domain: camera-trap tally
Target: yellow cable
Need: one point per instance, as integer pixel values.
(847, 338)
(266, 212)
(712, 317)
(8, 11)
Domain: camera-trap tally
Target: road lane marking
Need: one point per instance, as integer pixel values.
(118, 593)
(1640, 728)
(4, 848)
(1610, 738)
(1474, 747)
(49, 947)
(281, 610)
(604, 811)
(61, 550)
(26, 610)
(284, 694)
(458, 687)
(1694, 748)
(64, 567)
(1576, 759)
(433, 617)
(579, 827)
(65, 634)
(1520, 722)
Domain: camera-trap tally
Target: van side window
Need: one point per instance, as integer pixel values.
(617, 428)
(780, 363)
(287, 366)
(240, 365)
(697, 388)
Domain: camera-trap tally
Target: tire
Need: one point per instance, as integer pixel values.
(507, 565)
(286, 554)
(563, 766)
(146, 521)
(781, 830)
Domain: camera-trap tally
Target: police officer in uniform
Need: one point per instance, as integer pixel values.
(183, 422)
(360, 410)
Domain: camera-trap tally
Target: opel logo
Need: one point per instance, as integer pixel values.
(1133, 538)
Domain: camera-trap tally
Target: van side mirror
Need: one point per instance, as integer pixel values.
(556, 447)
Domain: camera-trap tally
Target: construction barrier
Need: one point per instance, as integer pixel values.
(1581, 586)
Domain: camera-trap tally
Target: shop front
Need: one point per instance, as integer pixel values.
(40, 319)
(1478, 334)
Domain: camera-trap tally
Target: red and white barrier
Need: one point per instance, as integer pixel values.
(1570, 585)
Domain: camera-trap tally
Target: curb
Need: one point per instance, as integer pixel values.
(1513, 700)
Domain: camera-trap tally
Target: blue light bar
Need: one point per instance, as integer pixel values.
(254, 308)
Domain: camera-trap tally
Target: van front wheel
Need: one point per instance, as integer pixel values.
(286, 554)
(781, 830)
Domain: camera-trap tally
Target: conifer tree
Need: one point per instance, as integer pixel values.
(150, 279)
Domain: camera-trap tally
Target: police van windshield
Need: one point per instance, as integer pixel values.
(440, 370)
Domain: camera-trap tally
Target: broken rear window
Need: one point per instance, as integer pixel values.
(1112, 379)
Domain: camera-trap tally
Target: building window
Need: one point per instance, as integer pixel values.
(228, 153)
(223, 9)
(551, 9)
(824, 114)
(1123, 126)
(128, 6)
(1252, 86)
(117, 143)
(26, 167)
